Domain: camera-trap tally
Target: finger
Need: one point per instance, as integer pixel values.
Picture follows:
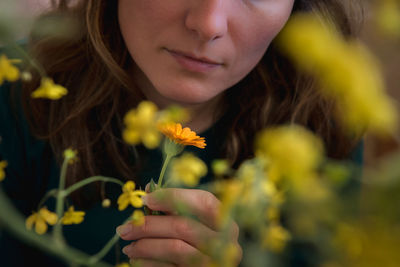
(149, 263)
(173, 251)
(203, 204)
(174, 227)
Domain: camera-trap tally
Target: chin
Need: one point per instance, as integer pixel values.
(187, 95)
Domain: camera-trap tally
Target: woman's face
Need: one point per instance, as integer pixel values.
(190, 51)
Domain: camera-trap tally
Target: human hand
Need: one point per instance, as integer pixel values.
(173, 239)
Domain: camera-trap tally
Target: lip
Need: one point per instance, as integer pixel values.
(193, 63)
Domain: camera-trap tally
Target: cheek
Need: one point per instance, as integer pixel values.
(250, 48)
(140, 21)
(251, 45)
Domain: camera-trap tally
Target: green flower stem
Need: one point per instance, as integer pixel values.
(27, 57)
(30, 60)
(50, 193)
(164, 167)
(12, 221)
(89, 180)
(57, 230)
(99, 255)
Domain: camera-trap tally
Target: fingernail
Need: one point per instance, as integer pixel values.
(125, 250)
(124, 229)
(144, 199)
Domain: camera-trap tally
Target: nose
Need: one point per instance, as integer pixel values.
(208, 19)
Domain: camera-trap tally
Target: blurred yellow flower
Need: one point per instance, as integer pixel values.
(187, 170)
(3, 165)
(138, 217)
(26, 76)
(48, 89)
(229, 193)
(182, 136)
(348, 73)
(220, 167)
(275, 237)
(106, 203)
(251, 191)
(70, 155)
(72, 217)
(123, 264)
(40, 220)
(350, 239)
(173, 114)
(272, 214)
(228, 258)
(291, 151)
(388, 16)
(8, 72)
(141, 125)
(130, 196)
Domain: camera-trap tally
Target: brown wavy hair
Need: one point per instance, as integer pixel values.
(93, 64)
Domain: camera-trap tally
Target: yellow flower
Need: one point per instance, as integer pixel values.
(229, 255)
(138, 218)
(290, 151)
(275, 237)
(185, 136)
(39, 219)
(3, 165)
(8, 71)
(141, 125)
(70, 155)
(187, 170)
(229, 193)
(173, 114)
(272, 214)
(388, 16)
(72, 217)
(48, 89)
(130, 196)
(350, 238)
(348, 73)
(220, 167)
(106, 203)
(123, 264)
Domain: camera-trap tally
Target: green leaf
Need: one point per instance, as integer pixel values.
(153, 186)
(147, 211)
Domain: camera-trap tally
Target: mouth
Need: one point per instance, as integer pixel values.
(194, 63)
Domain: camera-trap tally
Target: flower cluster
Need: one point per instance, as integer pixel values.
(142, 123)
(348, 73)
(187, 170)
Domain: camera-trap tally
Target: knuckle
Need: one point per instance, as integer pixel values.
(181, 228)
(145, 227)
(178, 246)
(139, 249)
(209, 201)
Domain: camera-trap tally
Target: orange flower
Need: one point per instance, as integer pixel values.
(181, 136)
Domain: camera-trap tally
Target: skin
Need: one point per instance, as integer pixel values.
(234, 34)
